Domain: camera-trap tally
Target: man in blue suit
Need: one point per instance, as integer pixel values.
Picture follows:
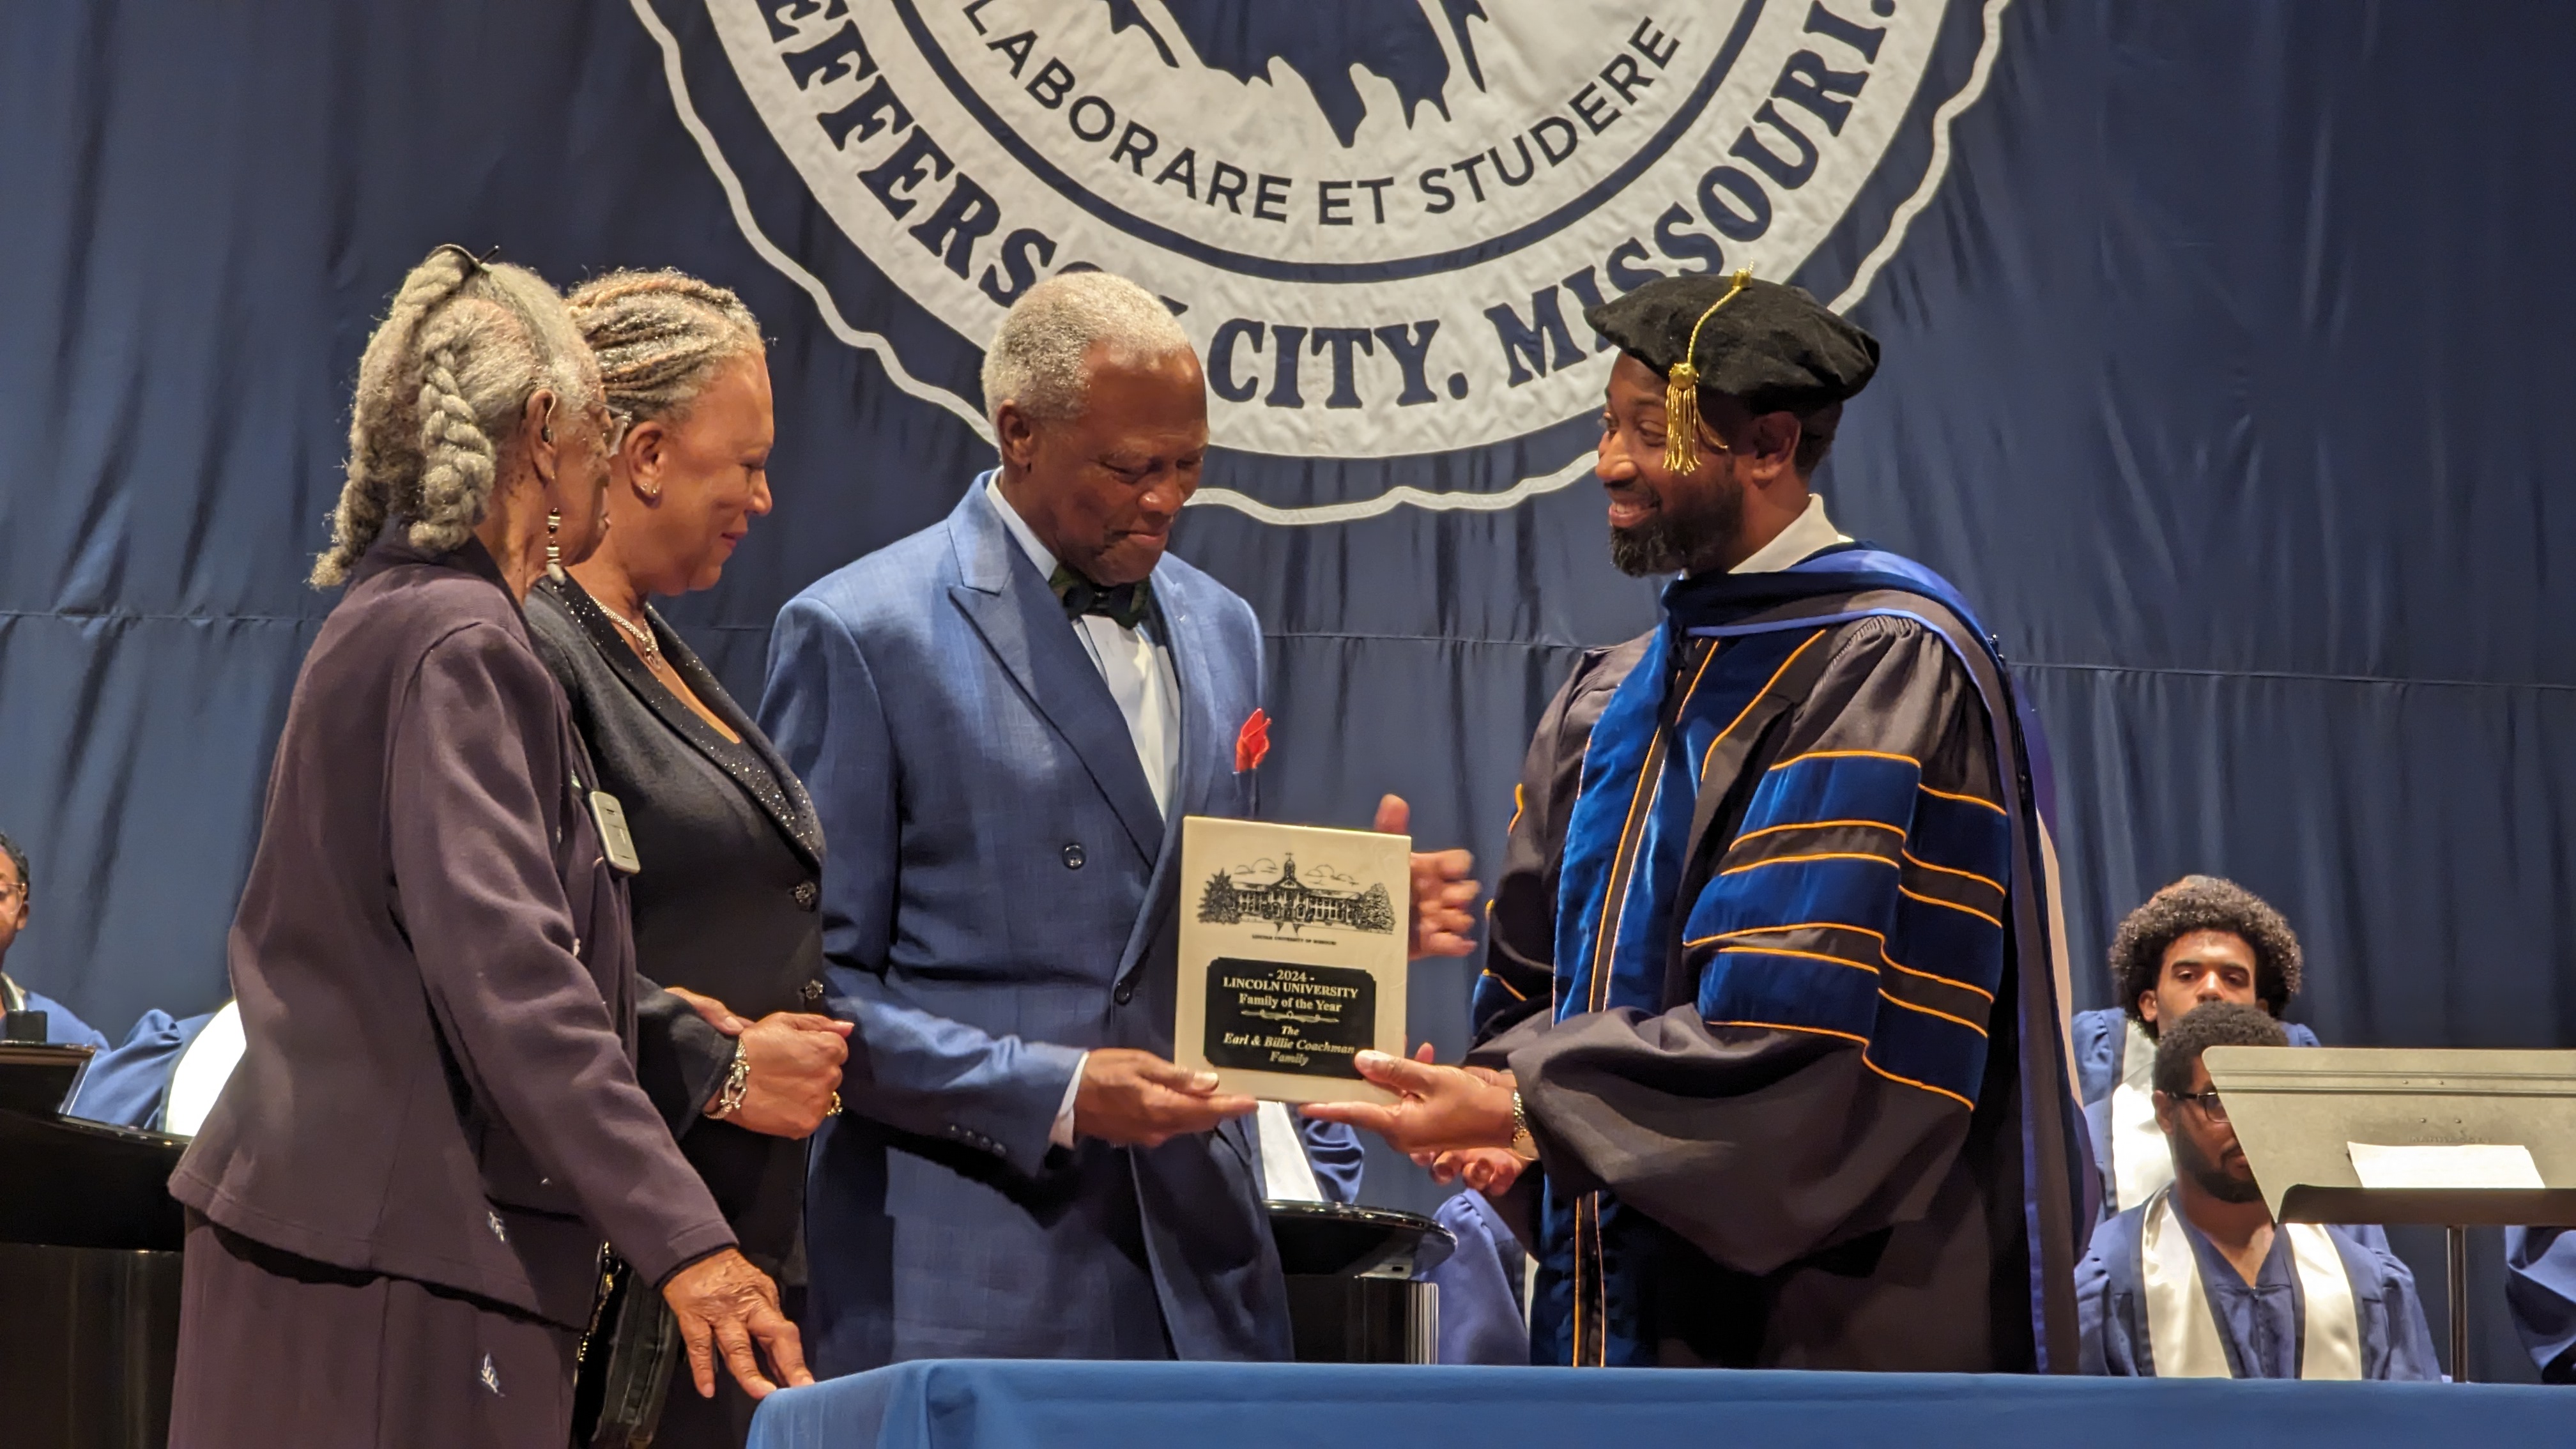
(1002, 720)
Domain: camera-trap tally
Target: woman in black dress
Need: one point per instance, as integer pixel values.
(724, 906)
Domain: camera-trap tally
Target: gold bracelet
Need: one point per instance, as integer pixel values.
(1521, 1132)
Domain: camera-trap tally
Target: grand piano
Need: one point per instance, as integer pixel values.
(89, 1266)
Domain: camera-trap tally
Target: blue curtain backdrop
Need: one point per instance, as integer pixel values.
(2224, 371)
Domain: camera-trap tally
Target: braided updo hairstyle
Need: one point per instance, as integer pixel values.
(660, 338)
(447, 373)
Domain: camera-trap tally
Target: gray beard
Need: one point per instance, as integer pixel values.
(1676, 541)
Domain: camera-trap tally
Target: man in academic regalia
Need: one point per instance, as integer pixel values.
(2197, 941)
(1769, 996)
(2199, 1282)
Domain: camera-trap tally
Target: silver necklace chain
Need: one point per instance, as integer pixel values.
(643, 636)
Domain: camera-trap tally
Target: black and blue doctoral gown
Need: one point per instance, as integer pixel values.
(2262, 1325)
(1771, 962)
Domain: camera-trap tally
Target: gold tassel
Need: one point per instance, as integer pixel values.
(1681, 419)
(1681, 392)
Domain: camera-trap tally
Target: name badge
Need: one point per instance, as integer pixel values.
(614, 841)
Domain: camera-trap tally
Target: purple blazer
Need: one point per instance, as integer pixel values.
(435, 973)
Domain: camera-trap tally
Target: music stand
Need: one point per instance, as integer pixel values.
(2298, 1110)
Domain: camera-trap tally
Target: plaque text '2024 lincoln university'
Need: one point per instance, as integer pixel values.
(1291, 956)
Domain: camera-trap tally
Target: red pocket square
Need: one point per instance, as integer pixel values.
(1253, 744)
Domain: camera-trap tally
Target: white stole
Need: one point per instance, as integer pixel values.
(198, 1077)
(2183, 1340)
(2141, 1163)
(1286, 1175)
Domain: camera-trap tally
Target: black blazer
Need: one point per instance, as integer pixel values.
(725, 904)
(435, 974)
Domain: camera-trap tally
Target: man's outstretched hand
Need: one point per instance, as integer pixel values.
(724, 1305)
(1444, 900)
(1489, 1170)
(1130, 1098)
(1437, 1109)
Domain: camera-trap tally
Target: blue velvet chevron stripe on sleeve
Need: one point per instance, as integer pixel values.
(1631, 822)
(1858, 902)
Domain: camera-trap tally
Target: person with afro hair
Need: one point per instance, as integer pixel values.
(2198, 940)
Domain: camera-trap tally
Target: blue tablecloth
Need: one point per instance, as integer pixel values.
(1003, 1404)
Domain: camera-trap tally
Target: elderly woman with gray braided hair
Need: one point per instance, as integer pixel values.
(397, 1208)
(724, 910)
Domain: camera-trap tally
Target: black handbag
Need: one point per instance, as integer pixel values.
(627, 1356)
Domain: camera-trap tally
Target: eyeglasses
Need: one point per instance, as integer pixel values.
(9, 890)
(2210, 1107)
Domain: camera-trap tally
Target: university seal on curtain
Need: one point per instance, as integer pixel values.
(1379, 219)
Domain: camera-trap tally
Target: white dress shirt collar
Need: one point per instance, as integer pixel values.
(1807, 533)
(1019, 527)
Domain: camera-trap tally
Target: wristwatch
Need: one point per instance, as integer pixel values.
(1523, 1145)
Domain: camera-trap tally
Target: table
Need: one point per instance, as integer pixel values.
(1002, 1404)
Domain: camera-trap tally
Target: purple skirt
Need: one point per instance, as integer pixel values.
(275, 1350)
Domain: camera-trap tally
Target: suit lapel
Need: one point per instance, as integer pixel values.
(794, 814)
(1204, 741)
(1195, 779)
(792, 810)
(1022, 622)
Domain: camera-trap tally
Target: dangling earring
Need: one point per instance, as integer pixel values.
(554, 549)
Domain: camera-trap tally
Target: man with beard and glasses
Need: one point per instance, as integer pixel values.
(1770, 995)
(2199, 1282)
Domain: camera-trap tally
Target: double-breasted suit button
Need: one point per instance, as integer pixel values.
(1073, 856)
(806, 895)
(1125, 993)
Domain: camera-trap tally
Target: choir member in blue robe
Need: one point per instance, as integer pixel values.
(61, 1027)
(2199, 940)
(1770, 995)
(2540, 1289)
(2199, 1282)
(1480, 1283)
(128, 1084)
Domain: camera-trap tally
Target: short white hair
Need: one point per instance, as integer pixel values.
(1036, 360)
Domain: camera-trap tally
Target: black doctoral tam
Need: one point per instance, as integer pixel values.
(1771, 345)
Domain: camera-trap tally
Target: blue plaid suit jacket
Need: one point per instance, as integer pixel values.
(1000, 894)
